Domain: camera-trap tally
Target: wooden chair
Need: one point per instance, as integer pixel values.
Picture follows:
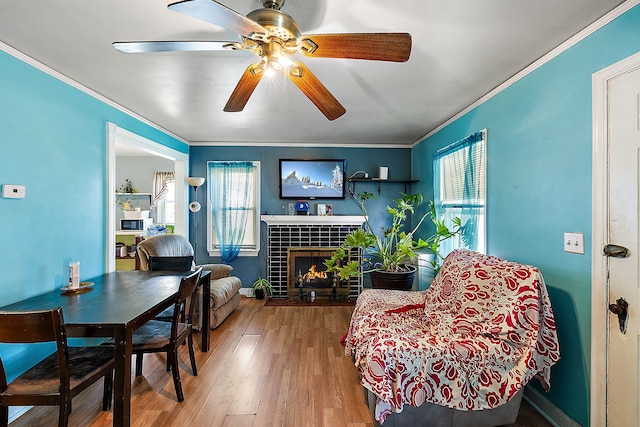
(60, 376)
(170, 263)
(165, 337)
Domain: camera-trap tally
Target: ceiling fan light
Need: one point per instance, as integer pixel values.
(285, 61)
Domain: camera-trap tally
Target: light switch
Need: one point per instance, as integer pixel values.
(10, 191)
(574, 243)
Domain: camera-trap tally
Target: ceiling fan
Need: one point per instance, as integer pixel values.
(275, 36)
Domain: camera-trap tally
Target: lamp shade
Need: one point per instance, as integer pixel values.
(195, 181)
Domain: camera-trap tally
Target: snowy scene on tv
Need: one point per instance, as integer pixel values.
(312, 179)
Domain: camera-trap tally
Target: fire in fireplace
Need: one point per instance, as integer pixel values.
(306, 266)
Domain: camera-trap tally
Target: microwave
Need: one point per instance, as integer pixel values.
(136, 224)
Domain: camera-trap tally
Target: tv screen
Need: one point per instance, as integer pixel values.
(312, 178)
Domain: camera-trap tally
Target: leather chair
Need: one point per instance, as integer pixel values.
(225, 295)
(60, 376)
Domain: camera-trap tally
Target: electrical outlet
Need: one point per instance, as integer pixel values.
(574, 243)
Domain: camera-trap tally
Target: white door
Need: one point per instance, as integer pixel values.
(624, 175)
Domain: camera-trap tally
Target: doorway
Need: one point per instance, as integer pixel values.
(616, 140)
(119, 137)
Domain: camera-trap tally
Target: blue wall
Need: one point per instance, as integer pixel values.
(365, 159)
(53, 141)
(539, 186)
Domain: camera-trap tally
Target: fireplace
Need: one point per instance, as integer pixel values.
(305, 269)
(307, 233)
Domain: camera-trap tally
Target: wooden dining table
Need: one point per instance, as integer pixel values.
(116, 305)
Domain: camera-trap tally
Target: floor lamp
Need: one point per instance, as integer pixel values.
(194, 207)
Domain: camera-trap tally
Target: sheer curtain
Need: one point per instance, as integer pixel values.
(459, 190)
(231, 187)
(160, 180)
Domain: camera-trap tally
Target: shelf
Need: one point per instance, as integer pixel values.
(406, 182)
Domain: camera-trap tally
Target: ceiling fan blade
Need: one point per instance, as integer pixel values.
(315, 91)
(218, 14)
(244, 88)
(395, 47)
(175, 46)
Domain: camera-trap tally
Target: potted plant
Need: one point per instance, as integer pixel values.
(389, 256)
(262, 287)
(122, 195)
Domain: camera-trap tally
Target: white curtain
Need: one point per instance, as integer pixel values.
(160, 180)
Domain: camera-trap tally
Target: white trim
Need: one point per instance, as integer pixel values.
(599, 233)
(181, 167)
(45, 69)
(301, 144)
(313, 219)
(548, 410)
(16, 412)
(572, 41)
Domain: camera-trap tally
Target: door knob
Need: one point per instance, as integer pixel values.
(621, 308)
(616, 251)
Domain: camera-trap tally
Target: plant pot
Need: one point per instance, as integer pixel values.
(402, 281)
(259, 293)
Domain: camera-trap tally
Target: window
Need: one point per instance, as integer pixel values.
(459, 190)
(233, 213)
(163, 198)
(166, 208)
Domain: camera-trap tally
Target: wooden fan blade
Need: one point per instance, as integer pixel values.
(395, 47)
(218, 14)
(244, 88)
(315, 91)
(175, 46)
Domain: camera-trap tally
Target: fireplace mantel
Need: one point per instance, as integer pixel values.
(313, 219)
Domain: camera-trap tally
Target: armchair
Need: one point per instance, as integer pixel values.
(225, 295)
(460, 353)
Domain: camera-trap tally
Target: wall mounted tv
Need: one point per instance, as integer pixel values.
(312, 178)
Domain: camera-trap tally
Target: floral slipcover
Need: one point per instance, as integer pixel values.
(470, 342)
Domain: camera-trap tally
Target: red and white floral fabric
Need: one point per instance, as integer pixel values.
(472, 340)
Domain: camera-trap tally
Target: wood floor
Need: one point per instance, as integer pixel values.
(268, 366)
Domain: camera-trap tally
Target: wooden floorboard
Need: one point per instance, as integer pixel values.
(275, 366)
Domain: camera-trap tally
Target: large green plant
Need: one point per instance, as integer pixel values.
(394, 247)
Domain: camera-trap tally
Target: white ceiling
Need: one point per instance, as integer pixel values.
(462, 49)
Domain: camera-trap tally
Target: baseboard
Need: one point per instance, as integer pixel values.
(551, 412)
(246, 292)
(16, 412)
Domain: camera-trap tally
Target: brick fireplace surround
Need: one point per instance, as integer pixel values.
(287, 232)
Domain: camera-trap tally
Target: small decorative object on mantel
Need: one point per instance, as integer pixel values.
(323, 209)
(302, 207)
